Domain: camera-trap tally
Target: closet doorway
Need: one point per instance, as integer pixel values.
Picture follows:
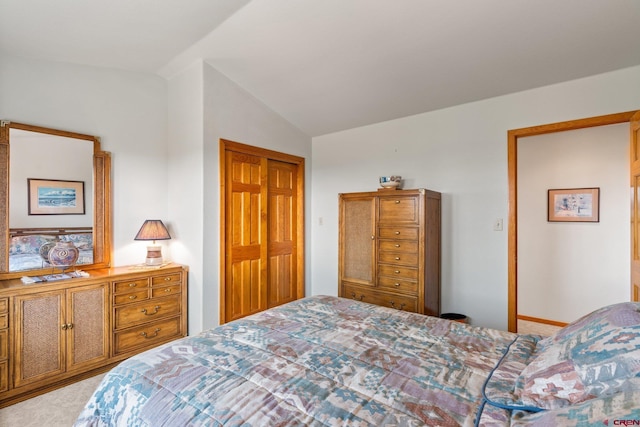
(262, 229)
(513, 137)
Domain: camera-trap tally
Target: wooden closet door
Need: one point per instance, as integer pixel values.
(635, 206)
(282, 234)
(246, 235)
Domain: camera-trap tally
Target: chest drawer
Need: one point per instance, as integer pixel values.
(398, 246)
(4, 344)
(397, 258)
(168, 279)
(4, 376)
(404, 233)
(130, 285)
(398, 272)
(400, 302)
(149, 334)
(134, 314)
(4, 320)
(131, 297)
(4, 305)
(398, 209)
(161, 291)
(398, 285)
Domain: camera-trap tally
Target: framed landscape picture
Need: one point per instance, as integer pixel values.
(55, 197)
(574, 205)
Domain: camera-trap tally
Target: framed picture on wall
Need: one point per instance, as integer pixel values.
(55, 197)
(574, 205)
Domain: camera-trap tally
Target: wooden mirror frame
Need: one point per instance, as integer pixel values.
(101, 199)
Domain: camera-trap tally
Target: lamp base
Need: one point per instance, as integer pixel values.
(154, 255)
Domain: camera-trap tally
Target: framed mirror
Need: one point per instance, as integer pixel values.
(55, 190)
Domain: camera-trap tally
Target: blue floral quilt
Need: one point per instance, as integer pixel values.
(327, 361)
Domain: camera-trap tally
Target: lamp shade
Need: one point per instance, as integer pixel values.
(153, 229)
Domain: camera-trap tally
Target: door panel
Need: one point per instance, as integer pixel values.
(88, 318)
(39, 337)
(246, 270)
(634, 152)
(357, 258)
(282, 194)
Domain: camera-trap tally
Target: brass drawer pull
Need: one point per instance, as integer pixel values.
(133, 285)
(393, 305)
(155, 334)
(133, 296)
(397, 233)
(167, 279)
(397, 285)
(353, 295)
(397, 271)
(397, 258)
(67, 326)
(168, 290)
(397, 245)
(397, 202)
(144, 310)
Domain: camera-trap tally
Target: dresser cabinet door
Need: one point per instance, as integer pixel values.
(357, 242)
(87, 326)
(39, 336)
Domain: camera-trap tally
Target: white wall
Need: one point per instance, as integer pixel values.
(229, 112)
(185, 189)
(461, 152)
(566, 270)
(127, 110)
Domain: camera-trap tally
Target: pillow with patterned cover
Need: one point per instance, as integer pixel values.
(597, 355)
(82, 241)
(28, 244)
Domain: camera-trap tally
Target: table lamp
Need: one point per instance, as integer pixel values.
(153, 229)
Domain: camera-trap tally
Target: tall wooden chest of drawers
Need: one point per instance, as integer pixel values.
(389, 249)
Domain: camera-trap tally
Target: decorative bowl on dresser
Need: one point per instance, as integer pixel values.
(55, 333)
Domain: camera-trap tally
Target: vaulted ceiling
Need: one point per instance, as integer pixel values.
(330, 65)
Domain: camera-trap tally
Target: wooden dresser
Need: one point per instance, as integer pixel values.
(56, 333)
(389, 249)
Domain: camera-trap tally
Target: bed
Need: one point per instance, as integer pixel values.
(327, 361)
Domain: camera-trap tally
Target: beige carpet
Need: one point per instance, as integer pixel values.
(59, 408)
(527, 327)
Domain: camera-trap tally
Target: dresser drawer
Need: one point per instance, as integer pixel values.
(398, 272)
(397, 285)
(131, 297)
(397, 258)
(398, 246)
(147, 335)
(161, 291)
(4, 376)
(400, 302)
(130, 285)
(4, 305)
(134, 314)
(4, 344)
(404, 233)
(168, 279)
(398, 209)
(4, 320)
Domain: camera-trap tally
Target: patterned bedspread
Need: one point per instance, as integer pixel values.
(320, 361)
